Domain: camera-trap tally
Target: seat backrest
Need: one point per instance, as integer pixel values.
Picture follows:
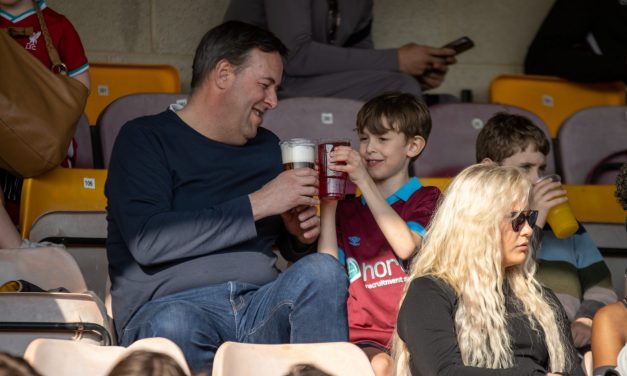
(554, 99)
(314, 118)
(588, 137)
(84, 149)
(129, 107)
(455, 127)
(110, 81)
(245, 359)
(71, 358)
(48, 268)
(62, 189)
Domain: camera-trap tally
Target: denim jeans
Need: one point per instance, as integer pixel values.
(305, 304)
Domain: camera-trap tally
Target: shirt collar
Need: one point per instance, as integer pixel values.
(403, 193)
(20, 17)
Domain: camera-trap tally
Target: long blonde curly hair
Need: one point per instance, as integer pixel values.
(463, 248)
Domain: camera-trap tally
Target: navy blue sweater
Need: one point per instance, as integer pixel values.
(179, 215)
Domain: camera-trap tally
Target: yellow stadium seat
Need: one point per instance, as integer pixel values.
(110, 81)
(595, 203)
(441, 183)
(554, 99)
(61, 190)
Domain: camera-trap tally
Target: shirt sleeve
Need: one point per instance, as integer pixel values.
(421, 209)
(71, 50)
(595, 276)
(560, 48)
(139, 191)
(429, 332)
(290, 20)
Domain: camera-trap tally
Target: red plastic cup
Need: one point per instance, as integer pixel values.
(332, 183)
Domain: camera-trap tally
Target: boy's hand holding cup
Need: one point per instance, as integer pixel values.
(549, 198)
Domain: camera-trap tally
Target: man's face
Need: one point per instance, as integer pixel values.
(530, 161)
(253, 92)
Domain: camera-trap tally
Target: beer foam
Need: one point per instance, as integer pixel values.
(297, 153)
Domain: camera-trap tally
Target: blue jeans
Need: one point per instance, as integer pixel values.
(305, 304)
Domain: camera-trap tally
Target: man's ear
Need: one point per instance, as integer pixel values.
(224, 73)
(488, 161)
(416, 145)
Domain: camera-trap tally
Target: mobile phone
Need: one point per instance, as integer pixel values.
(460, 45)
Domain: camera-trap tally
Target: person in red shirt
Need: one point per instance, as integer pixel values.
(374, 235)
(21, 17)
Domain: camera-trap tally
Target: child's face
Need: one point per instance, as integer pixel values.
(388, 155)
(530, 161)
(12, 3)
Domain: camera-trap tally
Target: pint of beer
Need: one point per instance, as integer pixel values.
(297, 153)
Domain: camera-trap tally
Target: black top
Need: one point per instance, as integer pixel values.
(426, 324)
(560, 47)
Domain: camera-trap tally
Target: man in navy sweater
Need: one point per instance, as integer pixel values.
(196, 201)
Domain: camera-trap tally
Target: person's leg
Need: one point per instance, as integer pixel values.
(362, 85)
(381, 362)
(198, 321)
(306, 304)
(9, 237)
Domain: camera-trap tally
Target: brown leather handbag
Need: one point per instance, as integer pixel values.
(39, 108)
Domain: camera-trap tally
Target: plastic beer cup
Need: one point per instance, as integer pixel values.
(297, 153)
(332, 183)
(561, 217)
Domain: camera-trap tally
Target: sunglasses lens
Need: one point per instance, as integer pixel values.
(519, 219)
(518, 222)
(532, 218)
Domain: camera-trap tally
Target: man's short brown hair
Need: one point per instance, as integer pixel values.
(506, 134)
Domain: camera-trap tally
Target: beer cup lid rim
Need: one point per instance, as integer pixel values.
(297, 141)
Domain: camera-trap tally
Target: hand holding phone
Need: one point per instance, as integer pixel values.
(460, 45)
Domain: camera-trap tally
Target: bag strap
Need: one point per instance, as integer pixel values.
(57, 64)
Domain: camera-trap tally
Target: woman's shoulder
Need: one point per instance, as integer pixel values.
(430, 286)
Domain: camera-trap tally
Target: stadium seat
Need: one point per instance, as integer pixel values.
(591, 142)
(129, 107)
(68, 206)
(52, 357)
(451, 145)
(314, 118)
(78, 314)
(61, 190)
(554, 99)
(245, 359)
(110, 81)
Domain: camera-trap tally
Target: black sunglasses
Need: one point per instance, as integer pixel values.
(519, 218)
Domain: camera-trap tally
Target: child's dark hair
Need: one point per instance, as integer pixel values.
(507, 134)
(404, 113)
(306, 370)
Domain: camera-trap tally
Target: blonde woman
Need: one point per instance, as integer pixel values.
(471, 304)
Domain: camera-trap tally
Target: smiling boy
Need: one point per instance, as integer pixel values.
(375, 234)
